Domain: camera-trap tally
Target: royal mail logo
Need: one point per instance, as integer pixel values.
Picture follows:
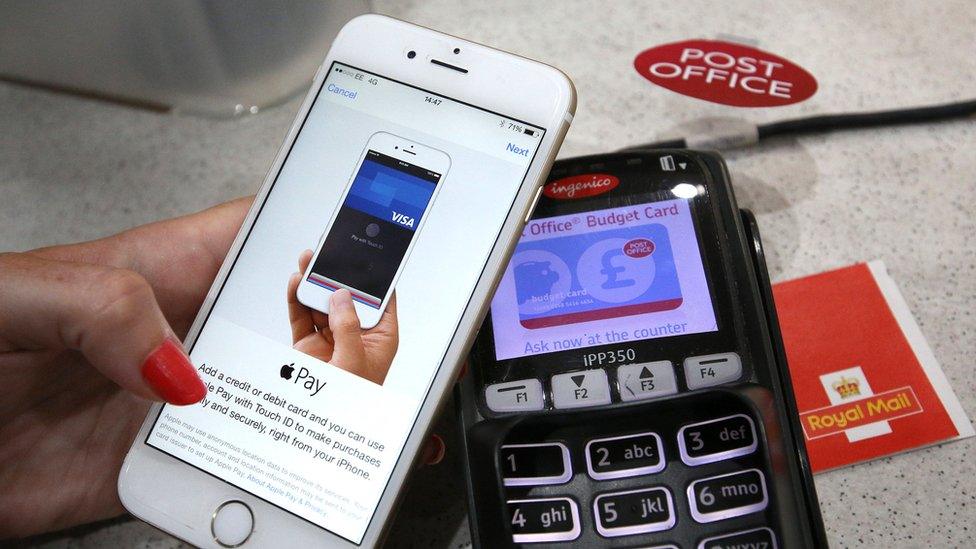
(855, 409)
(884, 406)
(580, 186)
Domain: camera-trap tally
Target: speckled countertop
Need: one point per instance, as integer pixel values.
(73, 169)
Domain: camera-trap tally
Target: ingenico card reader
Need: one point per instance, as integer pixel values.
(629, 386)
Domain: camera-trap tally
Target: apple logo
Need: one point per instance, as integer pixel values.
(287, 370)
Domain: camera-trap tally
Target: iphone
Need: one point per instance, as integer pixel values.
(373, 229)
(406, 178)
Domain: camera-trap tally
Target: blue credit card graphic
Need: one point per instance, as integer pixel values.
(390, 194)
(595, 276)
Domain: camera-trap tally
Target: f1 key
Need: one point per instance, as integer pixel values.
(544, 519)
(717, 439)
(727, 496)
(624, 456)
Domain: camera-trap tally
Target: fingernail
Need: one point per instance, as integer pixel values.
(172, 376)
(342, 299)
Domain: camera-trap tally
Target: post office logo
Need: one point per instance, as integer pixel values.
(726, 73)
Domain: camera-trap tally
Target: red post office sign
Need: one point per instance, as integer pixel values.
(726, 73)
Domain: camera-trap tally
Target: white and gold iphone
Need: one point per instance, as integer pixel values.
(409, 172)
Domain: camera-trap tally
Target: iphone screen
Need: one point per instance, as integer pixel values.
(289, 416)
(374, 227)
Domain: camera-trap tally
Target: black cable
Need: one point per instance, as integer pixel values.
(828, 122)
(823, 123)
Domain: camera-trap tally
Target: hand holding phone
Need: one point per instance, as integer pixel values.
(52, 390)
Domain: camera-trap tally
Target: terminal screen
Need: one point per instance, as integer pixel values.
(608, 276)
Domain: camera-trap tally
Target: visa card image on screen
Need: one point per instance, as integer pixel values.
(374, 228)
(591, 278)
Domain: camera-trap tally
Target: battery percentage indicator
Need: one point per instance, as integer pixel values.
(518, 128)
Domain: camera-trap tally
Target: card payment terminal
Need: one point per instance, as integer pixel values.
(629, 386)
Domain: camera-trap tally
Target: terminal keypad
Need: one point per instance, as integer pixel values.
(688, 479)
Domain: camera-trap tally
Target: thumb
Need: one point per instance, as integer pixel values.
(349, 354)
(109, 315)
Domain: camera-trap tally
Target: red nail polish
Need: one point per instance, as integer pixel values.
(171, 374)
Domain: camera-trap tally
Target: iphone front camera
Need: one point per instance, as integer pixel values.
(411, 54)
(457, 51)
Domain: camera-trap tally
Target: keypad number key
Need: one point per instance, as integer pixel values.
(717, 439)
(760, 538)
(624, 456)
(544, 520)
(726, 496)
(634, 512)
(535, 464)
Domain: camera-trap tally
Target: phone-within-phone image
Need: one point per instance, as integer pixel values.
(375, 226)
(629, 388)
(412, 165)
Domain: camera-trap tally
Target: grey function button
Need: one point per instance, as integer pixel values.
(708, 370)
(579, 389)
(515, 396)
(647, 380)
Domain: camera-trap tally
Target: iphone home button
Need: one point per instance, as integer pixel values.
(232, 523)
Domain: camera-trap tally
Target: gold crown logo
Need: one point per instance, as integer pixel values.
(847, 387)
